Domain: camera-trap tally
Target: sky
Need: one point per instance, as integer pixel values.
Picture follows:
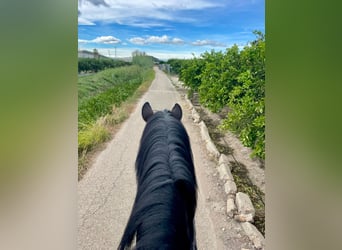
(167, 28)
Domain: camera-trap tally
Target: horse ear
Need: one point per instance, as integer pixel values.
(177, 111)
(147, 111)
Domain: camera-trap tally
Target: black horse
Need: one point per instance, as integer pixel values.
(163, 212)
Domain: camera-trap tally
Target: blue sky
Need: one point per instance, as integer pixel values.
(167, 28)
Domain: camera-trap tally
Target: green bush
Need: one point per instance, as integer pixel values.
(190, 73)
(234, 78)
(176, 65)
(247, 118)
(95, 65)
(218, 77)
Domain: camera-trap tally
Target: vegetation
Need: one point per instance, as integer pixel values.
(101, 102)
(234, 79)
(98, 64)
(98, 94)
(142, 60)
(176, 65)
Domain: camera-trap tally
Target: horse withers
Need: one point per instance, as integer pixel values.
(163, 212)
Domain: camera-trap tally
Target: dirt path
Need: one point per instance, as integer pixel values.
(107, 190)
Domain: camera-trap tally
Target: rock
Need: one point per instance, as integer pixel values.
(204, 131)
(245, 207)
(209, 143)
(212, 149)
(231, 208)
(230, 187)
(224, 172)
(190, 106)
(226, 159)
(223, 159)
(244, 217)
(195, 116)
(254, 235)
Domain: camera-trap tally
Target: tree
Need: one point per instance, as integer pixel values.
(235, 79)
(218, 78)
(190, 73)
(247, 100)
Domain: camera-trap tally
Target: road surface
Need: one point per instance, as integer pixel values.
(106, 192)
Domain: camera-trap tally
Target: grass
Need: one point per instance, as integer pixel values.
(118, 115)
(102, 113)
(92, 135)
(91, 85)
(99, 92)
(97, 106)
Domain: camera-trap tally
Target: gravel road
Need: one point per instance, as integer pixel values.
(106, 192)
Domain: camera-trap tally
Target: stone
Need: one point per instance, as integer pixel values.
(244, 217)
(223, 159)
(230, 187)
(195, 116)
(224, 172)
(231, 208)
(244, 205)
(254, 235)
(212, 149)
(204, 131)
(190, 106)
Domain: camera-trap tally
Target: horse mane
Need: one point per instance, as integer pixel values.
(164, 208)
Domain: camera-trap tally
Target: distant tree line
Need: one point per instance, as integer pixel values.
(141, 59)
(95, 65)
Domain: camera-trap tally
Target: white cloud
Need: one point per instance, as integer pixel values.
(186, 5)
(83, 21)
(137, 40)
(95, 2)
(177, 41)
(165, 55)
(140, 13)
(151, 40)
(82, 41)
(208, 43)
(101, 40)
(156, 39)
(106, 40)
